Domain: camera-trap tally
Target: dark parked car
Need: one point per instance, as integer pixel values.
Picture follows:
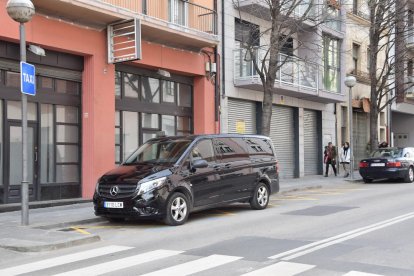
(170, 177)
(391, 163)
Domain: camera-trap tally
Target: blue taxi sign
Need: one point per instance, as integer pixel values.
(27, 78)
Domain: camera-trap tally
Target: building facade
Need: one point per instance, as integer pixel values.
(89, 114)
(402, 115)
(357, 65)
(307, 87)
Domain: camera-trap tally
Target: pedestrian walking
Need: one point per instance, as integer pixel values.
(345, 158)
(329, 158)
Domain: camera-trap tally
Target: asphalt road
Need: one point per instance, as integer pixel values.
(350, 229)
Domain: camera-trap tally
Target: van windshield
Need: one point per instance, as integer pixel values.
(164, 151)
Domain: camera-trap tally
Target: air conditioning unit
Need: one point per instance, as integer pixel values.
(409, 94)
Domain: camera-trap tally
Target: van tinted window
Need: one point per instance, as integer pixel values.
(230, 149)
(203, 150)
(257, 146)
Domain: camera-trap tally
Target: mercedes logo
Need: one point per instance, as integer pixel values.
(114, 190)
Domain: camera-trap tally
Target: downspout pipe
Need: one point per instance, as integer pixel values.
(223, 65)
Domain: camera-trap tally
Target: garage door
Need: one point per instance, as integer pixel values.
(311, 142)
(242, 115)
(282, 132)
(361, 127)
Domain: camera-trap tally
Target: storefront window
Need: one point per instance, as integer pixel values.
(168, 125)
(67, 87)
(12, 79)
(130, 132)
(66, 114)
(168, 92)
(117, 84)
(117, 137)
(47, 152)
(14, 111)
(131, 85)
(1, 141)
(67, 173)
(67, 154)
(67, 134)
(150, 120)
(184, 95)
(183, 125)
(46, 83)
(150, 90)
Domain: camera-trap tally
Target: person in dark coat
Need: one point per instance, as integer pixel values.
(329, 158)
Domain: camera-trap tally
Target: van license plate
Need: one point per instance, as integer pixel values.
(113, 204)
(377, 164)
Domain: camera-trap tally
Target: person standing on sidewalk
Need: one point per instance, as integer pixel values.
(345, 158)
(329, 158)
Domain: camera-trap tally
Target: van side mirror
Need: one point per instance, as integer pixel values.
(199, 164)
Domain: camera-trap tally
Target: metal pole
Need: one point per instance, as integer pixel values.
(351, 142)
(25, 183)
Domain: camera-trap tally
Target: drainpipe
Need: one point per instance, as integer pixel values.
(223, 66)
(216, 89)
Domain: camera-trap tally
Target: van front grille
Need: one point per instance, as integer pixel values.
(125, 190)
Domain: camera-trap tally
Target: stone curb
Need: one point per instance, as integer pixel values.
(68, 223)
(30, 246)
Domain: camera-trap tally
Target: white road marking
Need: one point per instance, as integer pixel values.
(111, 266)
(357, 273)
(303, 250)
(195, 266)
(282, 268)
(65, 259)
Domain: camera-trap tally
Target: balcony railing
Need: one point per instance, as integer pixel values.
(178, 12)
(293, 71)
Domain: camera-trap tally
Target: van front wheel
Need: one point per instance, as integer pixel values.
(177, 210)
(260, 197)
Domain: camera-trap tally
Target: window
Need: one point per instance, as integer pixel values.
(203, 150)
(355, 57)
(150, 90)
(47, 147)
(1, 141)
(131, 88)
(246, 33)
(130, 133)
(118, 144)
(184, 95)
(331, 57)
(230, 149)
(118, 84)
(12, 79)
(410, 68)
(67, 87)
(168, 92)
(258, 147)
(287, 47)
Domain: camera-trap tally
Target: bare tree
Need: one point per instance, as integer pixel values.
(287, 18)
(388, 55)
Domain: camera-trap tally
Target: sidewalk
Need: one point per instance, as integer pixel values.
(42, 233)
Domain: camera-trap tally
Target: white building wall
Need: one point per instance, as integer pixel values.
(311, 51)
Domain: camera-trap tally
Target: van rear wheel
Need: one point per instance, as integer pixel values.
(260, 198)
(177, 210)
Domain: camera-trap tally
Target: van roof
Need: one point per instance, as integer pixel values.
(200, 136)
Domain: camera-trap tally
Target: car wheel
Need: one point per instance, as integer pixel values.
(115, 220)
(410, 175)
(260, 197)
(367, 180)
(177, 210)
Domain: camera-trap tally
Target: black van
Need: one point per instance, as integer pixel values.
(169, 177)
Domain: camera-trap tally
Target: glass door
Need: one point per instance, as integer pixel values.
(15, 160)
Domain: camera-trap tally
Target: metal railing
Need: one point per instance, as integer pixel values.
(179, 12)
(292, 72)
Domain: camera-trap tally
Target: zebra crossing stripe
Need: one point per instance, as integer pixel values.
(119, 264)
(281, 268)
(357, 273)
(195, 266)
(66, 259)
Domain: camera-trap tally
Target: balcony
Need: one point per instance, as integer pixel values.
(295, 78)
(260, 9)
(177, 23)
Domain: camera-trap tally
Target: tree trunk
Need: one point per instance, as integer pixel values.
(267, 109)
(399, 48)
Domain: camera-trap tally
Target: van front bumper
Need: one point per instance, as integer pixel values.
(151, 204)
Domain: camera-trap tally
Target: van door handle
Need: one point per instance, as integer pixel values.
(227, 166)
(35, 156)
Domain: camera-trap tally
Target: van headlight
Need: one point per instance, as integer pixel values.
(148, 186)
(97, 188)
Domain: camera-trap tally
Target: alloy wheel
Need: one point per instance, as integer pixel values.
(411, 174)
(179, 209)
(262, 196)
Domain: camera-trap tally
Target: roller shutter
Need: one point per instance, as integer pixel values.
(361, 127)
(282, 132)
(242, 111)
(311, 142)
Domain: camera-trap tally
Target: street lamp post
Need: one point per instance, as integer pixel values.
(350, 82)
(22, 11)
